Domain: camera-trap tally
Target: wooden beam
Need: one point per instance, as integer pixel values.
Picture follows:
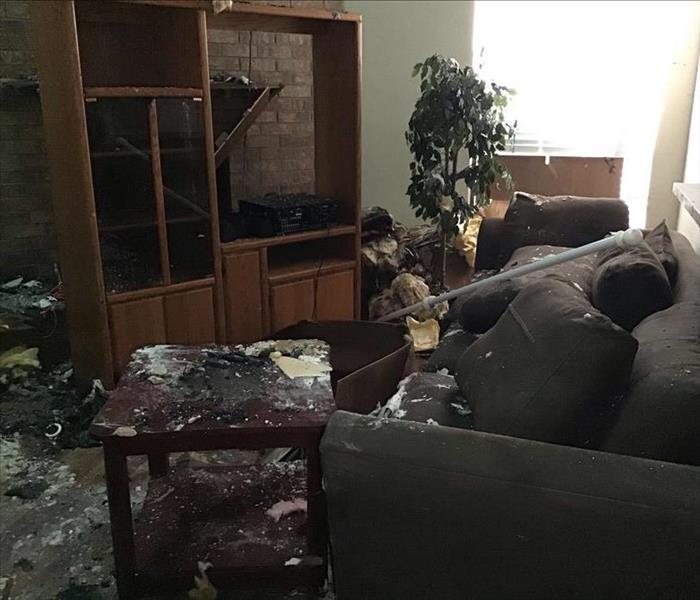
(142, 92)
(157, 172)
(211, 177)
(224, 151)
(244, 9)
(56, 47)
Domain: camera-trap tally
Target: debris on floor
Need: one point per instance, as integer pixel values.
(55, 521)
(397, 262)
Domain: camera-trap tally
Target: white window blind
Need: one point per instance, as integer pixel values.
(586, 73)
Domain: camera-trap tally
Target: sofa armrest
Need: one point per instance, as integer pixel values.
(424, 511)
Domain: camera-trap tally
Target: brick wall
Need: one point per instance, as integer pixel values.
(277, 154)
(27, 242)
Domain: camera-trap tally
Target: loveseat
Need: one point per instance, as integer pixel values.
(422, 504)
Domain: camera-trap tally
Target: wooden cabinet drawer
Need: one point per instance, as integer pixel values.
(294, 302)
(291, 303)
(135, 323)
(335, 298)
(243, 297)
(189, 317)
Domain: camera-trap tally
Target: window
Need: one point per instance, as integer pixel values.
(585, 72)
(592, 79)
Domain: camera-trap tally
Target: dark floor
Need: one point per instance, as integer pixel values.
(55, 536)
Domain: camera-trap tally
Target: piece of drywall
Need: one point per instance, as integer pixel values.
(395, 36)
(669, 161)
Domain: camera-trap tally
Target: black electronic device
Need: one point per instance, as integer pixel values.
(280, 214)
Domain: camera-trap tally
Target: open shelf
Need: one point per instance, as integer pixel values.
(291, 238)
(218, 514)
(300, 268)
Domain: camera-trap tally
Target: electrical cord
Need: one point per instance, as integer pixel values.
(314, 314)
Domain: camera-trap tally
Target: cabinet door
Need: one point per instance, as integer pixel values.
(125, 197)
(335, 296)
(185, 188)
(291, 303)
(243, 297)
(134, 324)
(189, 317)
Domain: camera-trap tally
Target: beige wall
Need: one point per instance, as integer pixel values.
(669, 159)
(396, 35)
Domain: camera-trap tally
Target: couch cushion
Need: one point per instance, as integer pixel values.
(630, 284)
(661, 244)
(478, 309)
(453, 343)
(660, 416)
(549, 369)
(432, 398)
(565, 220)
(579, 271)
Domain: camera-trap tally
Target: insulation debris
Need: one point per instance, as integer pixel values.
(286, 507)
(295, 367)
(425, 334)
(203, 589)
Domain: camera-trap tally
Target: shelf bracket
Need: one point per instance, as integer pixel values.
(224, 150)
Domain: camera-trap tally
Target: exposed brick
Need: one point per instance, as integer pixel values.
(262, 141)
(297, 91)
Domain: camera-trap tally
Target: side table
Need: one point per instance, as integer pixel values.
(181, 398)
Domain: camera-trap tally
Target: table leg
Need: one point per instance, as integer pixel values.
(158, 465)
(317, 527)
(118, 494)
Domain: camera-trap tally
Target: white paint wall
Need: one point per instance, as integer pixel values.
(669, 162)
(397, 35)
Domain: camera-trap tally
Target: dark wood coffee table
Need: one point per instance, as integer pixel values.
(177, 399)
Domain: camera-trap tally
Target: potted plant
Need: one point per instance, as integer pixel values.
(455, 132)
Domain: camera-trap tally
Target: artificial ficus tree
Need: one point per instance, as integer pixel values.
(455, 132)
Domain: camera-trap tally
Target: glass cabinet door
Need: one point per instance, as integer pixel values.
(150, 181)
(185, 188)
(122, 176)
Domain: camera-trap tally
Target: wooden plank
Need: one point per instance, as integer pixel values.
(337, 68)
(335, 297)
(143, 92)
(189, 317)
(249, 8)
(291, 238)
(219, 304)
(596, 177)
(291, 303)
(135, 324)
(58, 61)
(244, 317)
(160, 291)
(265, 291)
(224, 151)
(158, 192)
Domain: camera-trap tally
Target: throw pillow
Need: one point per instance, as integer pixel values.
(548, 369)
(660, 416)
(630, 284)
(660, 242)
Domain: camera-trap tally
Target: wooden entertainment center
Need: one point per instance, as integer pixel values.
(127, 103)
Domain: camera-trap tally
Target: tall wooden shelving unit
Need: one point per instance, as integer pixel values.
(125, 88)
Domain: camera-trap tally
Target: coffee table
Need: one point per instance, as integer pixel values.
(183, 398)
